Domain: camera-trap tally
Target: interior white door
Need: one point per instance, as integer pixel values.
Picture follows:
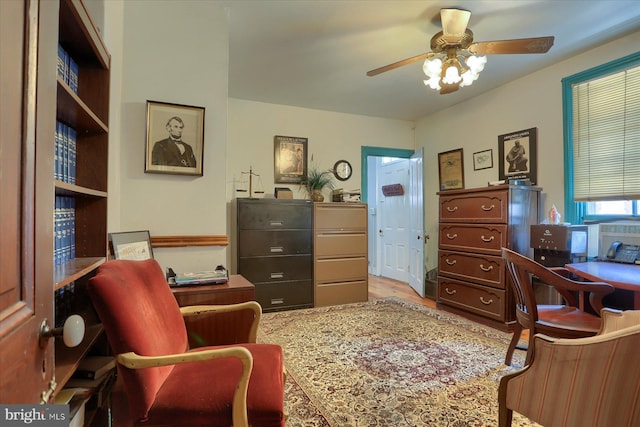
(416, 223)
(394, 229)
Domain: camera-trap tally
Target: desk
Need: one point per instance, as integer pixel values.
(218, 328)
(620, 276)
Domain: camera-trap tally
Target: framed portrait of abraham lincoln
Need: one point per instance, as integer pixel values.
(518, 156)
(175, 139)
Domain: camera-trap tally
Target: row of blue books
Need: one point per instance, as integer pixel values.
(63, 299)
(65, 154)
(64, 228)
(67, 69)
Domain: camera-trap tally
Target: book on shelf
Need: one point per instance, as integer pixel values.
(94, 367)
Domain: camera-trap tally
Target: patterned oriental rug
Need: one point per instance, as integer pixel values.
(389, 362)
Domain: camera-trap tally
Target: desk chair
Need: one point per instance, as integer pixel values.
(167, 383)
(561, 321)
(584, 382)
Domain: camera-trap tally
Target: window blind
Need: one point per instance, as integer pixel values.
(606, 137)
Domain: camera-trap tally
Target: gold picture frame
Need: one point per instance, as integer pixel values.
(451, 169)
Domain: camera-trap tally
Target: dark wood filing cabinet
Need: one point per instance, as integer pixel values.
(474, 227)
(275, 251)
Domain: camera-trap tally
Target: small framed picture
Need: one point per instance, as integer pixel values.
(175, 139)
(289, 159)
(451, 169)
(517, 155)
(131, 245)
(483, 160)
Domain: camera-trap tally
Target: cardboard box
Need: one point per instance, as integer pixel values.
(283, 193)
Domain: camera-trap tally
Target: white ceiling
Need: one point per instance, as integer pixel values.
(315, 53)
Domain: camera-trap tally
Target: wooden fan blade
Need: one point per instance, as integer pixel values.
(531, 45)
(399, 64)
(454, 23)
(448, 88)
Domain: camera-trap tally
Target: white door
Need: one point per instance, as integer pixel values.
(393, 233)
(416, 224)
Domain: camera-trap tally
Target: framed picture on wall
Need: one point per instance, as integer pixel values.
(175, 139)
(289, 159)
(451, 169)
(517, 155)
(131, 245)
(483, 160)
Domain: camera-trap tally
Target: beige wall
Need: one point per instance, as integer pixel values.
(532, 101)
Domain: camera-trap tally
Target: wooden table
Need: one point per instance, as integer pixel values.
(218, 328)
(620, 276)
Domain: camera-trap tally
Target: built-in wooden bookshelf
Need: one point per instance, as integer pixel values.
(84, 108)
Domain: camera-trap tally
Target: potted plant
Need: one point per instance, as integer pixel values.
(315, 181)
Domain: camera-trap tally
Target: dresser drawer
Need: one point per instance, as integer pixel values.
(274, 215)
(484, 301)
(340, 216)
(338, 245)
(488, 206)
(274, 242)
(482, 238)
(275, 268)
(482, 269)
(342, 269)
(285, 295)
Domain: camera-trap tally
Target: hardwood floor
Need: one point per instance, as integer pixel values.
(382, 287)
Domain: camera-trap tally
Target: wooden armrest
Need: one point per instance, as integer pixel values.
(135, 361)
(597, 290)
(613, 320)
(205, 310)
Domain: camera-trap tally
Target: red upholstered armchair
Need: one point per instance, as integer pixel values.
(169, 384)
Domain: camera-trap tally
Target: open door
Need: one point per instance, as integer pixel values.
(416, 223)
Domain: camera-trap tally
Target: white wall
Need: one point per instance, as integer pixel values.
(174, 52)
(532, 101)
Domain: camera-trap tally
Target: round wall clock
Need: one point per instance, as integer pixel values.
(342, 170)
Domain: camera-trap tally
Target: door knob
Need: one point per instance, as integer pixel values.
(72, 332)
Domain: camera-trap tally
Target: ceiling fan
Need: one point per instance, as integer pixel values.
(453, 61)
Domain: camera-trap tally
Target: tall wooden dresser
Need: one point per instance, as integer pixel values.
(340, 253)
(274, 248)
(474, 226)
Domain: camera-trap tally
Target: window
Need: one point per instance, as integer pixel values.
(601, 113)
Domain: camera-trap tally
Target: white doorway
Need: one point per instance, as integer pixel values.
(395, 221)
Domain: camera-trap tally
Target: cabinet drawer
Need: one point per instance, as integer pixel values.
(340, 217)
(482, 238)
(342, 269)
(341, 293)
(337, 245)
(274, 242)
(481, 300)
(489, 206)
(483, 269)
(284, 295)
(274, 215)
(275, 268)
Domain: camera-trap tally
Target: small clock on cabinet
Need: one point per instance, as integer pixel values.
(342, 170)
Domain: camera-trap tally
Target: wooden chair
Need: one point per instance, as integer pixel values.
(561, 321)
(583, 382)
(169, 384)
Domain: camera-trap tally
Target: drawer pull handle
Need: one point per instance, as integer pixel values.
(275, 301)
(453, 209)
(487, 240)
(483, 268)
(451, 236)
(277, 275)
(453, 292)
(277, 223)
(490, 208)
(486, 302)
(450, 262)
(276, 249)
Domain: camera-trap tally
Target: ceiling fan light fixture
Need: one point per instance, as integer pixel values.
(451, 72)
(476, 63)
(433, 82)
